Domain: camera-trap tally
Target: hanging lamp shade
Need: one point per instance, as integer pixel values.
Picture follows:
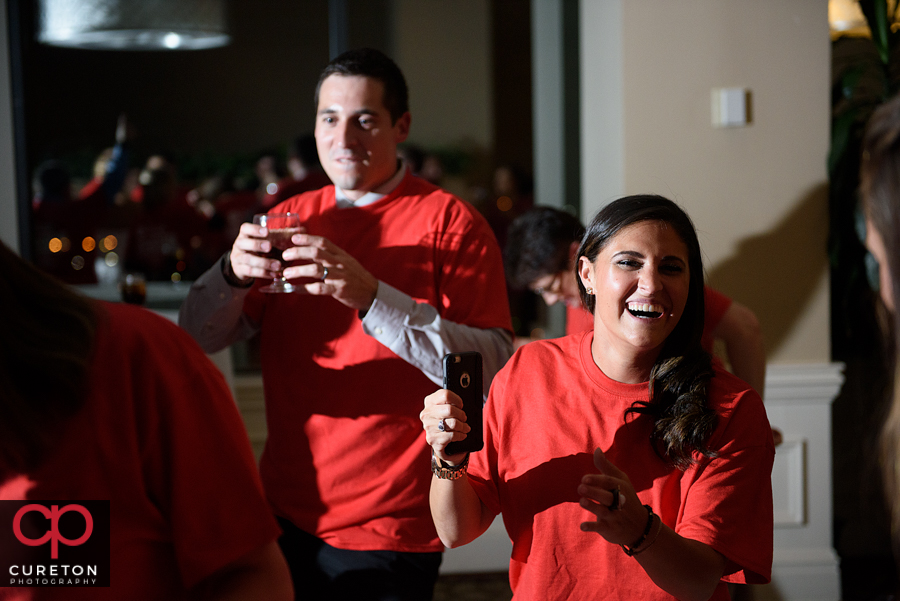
(133, 24)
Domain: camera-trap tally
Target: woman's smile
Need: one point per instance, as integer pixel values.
(646, 310)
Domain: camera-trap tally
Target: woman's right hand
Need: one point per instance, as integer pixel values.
(444, 407)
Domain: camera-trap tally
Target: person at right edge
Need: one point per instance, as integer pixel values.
(395, 273)
(880, 192)
(625, 464)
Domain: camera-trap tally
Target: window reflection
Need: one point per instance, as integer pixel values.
(148, 219)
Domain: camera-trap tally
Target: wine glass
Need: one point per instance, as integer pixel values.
(280, 226)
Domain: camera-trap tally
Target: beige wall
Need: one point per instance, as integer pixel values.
(757, 194)
(444, 51)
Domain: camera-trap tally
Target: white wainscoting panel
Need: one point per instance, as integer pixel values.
(798, 401)
(789, 484)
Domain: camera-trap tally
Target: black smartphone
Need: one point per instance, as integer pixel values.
(462, 375)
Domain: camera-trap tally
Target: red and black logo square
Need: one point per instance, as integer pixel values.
(54, 543)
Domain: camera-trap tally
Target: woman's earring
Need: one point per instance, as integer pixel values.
(590, 291)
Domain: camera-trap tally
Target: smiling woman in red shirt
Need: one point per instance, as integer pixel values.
(625, 464)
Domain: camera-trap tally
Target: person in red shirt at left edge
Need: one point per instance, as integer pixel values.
(110, 402)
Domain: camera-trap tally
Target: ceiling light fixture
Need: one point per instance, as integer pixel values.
(133, 24)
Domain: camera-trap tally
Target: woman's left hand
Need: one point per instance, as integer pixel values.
(620, 517)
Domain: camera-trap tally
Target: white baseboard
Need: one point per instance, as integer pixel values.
(812, 576)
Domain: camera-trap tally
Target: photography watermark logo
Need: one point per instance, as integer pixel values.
(54, 543)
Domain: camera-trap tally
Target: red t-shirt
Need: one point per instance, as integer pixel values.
(549, 408)
(578, 319)
(346, 458)
(716, 304)
(161, 439)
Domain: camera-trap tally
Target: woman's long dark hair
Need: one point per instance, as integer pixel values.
(880, 188)
(682, 418)
(45, 353)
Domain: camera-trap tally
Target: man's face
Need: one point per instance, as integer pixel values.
(561, 286)
(558, 287)
(356, 140)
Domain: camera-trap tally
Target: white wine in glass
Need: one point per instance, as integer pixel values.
(281, 227)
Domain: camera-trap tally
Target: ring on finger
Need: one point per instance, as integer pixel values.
(441, 426)
(324, 273)
(614, 506)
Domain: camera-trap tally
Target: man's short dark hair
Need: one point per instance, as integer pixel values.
(375, 64)
(538, 243)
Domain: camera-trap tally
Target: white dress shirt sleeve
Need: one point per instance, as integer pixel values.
(417, 334)
(213, 312)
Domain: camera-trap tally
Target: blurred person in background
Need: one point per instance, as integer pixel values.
(166, 238)
(65, 227)
(304, 171)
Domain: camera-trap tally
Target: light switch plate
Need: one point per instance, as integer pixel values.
(730, 107)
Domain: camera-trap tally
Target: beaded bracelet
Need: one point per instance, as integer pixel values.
(653, 539)
(634, 549)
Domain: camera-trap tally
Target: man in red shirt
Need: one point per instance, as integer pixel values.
(394, 273)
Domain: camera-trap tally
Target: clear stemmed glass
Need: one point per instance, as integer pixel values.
(280, 226)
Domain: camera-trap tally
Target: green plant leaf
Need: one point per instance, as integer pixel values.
(876, 13)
